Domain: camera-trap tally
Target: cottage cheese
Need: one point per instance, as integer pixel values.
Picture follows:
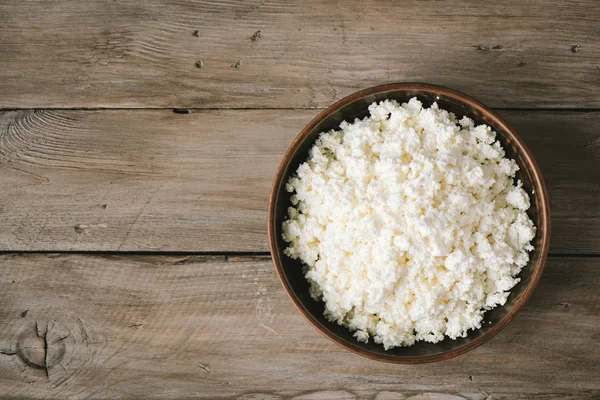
(409, 223)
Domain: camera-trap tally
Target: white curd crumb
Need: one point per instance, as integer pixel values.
(410, 224)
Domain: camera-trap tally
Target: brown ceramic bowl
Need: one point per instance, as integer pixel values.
(355, 106)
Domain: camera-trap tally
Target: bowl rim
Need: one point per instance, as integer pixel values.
(500, 124)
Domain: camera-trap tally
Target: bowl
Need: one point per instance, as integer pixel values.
(356, 106)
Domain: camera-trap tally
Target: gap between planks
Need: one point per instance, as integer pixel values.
(7, 109)
(211, 253)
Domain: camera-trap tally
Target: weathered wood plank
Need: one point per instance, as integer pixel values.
(309, 53)
(155, 180)
(210, 327)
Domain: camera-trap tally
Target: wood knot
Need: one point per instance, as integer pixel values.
(56, 350)
(37, 351)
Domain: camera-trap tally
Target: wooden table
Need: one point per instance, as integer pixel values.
(134, 248)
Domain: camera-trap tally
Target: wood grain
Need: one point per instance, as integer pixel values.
(152, 180)
(216, 327)
(308, 54)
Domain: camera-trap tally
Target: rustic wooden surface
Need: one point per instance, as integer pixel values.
(154, 180)
(162, 287)
(107, 53)
(197, 326)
